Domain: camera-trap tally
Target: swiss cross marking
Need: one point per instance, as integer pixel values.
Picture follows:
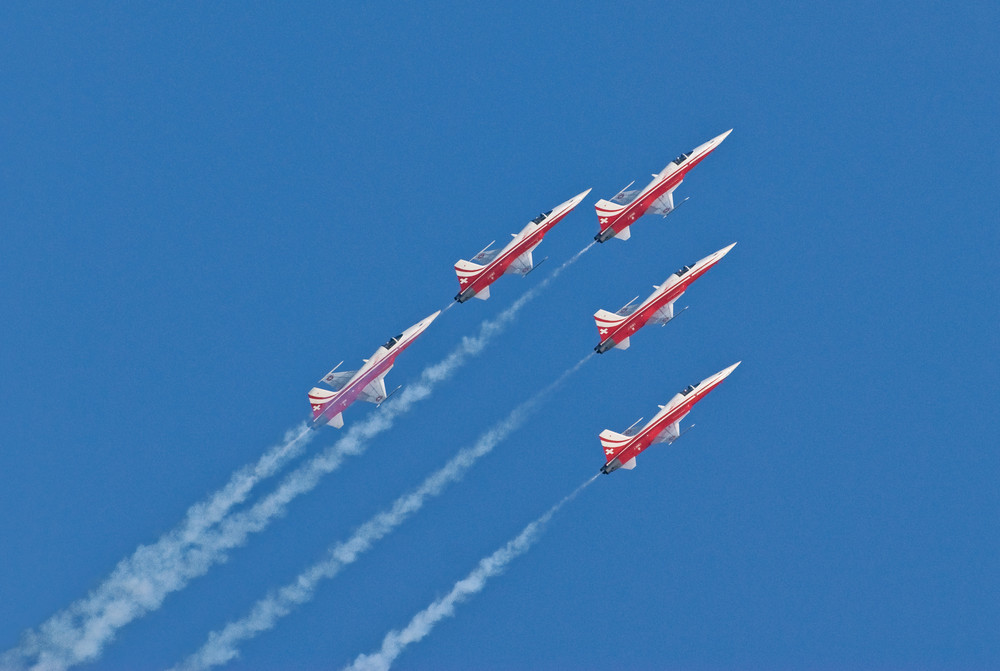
(604, 220)
(609, 451)
(463, 280)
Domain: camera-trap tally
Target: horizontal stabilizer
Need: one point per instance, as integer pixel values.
(624, 234)
(629, 465)
(337, 421)
(483, 294)
(623, 344)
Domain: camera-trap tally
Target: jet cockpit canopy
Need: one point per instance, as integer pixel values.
(539, 218)
(393, 341)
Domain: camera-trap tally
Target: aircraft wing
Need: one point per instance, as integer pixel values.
(522, 265)
(628, 309)
(664, 314)
(625, 197)
(337, 379)
(664, 204)
(484, 257)
(375, 391)
(671, 433)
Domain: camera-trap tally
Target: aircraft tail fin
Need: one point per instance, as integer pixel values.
(606, 208)
(467, 271)
(319, 399)
(606, 322)
(612, 442)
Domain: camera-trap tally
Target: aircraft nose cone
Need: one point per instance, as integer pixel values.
(713, 143)
(729, 370)
(725, 250)
(427, 322)
(576, 200)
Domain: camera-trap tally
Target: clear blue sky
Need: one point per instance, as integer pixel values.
(205, 207)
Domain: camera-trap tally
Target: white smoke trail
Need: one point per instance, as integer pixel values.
(134, 579)
(222, 646)
(139, 584)
(423, 622)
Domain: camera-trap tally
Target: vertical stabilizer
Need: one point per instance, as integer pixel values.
(467, 271)
(606, 322)
(319, 399)
(612, 442)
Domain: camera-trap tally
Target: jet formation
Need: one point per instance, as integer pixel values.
(615, 216)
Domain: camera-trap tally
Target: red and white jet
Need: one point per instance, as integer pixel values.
(616, 328)
(476, 276)
(616, 215)
(620, 449)
(366, 383)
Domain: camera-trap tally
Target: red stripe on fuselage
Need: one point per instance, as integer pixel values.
(655, 192)
(641, 317)
(349, 394)
(645, 438)
(492, 272)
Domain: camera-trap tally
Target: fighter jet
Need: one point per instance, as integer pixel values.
(616, 328)
(616, 215)
(366, 383)
(476, 276)
(620, 449)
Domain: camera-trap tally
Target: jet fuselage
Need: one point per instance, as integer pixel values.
(614, 219)
(614, 331)
(473, 281)
(618, 452)
(376, 366)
